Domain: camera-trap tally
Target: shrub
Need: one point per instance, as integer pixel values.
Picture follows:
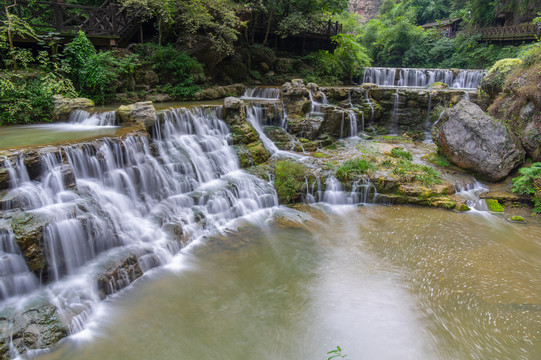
(289, 180)
(96, 73)
(529, 183)
(176, 70)
(24, 99)
(353, 168)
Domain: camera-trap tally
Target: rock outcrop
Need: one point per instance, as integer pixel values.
(62, 107)
(477, 142)
(142, 112)
(248, 146)
(296, 97)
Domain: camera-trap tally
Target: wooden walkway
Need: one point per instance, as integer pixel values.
(106, 25)
(516, 33)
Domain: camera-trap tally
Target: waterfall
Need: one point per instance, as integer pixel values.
(261, 93)
(464, 79)
(470, 192)
(113, 198)
(428, 124)
(84, 118)
(371, 112)
(15, 278)
(360, 192)
(353, 131)
(394, 118)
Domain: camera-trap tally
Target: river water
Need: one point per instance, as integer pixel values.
(382, 282)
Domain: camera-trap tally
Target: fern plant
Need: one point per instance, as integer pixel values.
(529, 184)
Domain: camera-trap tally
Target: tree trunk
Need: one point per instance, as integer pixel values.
(268, 28)
(10, 35)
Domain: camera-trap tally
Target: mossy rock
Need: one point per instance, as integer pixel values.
(461, 207)
(494, 206)
(517, 219)
(28, 230)
(289, 181)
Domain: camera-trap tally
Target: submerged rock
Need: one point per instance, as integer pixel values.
(475, 141)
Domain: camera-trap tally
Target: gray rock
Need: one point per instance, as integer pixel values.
(62, 107)
(475, 141)
(39, 326)
(142, 112)
(296, 97)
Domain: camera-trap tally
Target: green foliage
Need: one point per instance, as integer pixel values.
(529, 183)
(410, 171)
(97, 74)
(401, 153)
(30, 99)
(337, 353)
(351, 56)
(353, 168)
(289, 180)
(494, 206)
(176, 69)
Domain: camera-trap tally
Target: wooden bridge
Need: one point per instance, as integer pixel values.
(106, 25)
(516, 33)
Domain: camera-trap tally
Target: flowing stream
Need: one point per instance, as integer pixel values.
(230, 275)
(382, 282)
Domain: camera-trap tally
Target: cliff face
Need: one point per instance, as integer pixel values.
(515, 12)
(367, 8)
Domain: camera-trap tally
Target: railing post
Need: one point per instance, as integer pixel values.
(329, 28)
(113, 19)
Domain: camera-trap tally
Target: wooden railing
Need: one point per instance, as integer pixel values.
(507, 33)
(108, 19)
(318, 29)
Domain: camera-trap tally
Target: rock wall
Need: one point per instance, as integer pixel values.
(367, 8)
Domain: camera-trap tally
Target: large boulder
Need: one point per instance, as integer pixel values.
(475, 141)
(62, 107)
(142, 112)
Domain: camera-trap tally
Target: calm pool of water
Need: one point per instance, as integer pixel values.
(382, 282)
(26, 135)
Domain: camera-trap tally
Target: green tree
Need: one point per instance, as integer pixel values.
(14, 26)
(351, 56)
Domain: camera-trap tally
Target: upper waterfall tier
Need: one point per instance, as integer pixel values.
(403, 77)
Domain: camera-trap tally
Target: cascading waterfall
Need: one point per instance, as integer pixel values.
(470, 192)
(394, 124)
(463, 79)
(361, 192)
(428, 124)
(84, 118)
(15, 278)
(261, 93)
(353, 129)
(113, 198)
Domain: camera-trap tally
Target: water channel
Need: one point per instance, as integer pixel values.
(383, 282)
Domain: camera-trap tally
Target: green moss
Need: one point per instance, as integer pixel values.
(353, 168)
(462, 207)
(289, 181)
(494, 205)
(517, 218)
